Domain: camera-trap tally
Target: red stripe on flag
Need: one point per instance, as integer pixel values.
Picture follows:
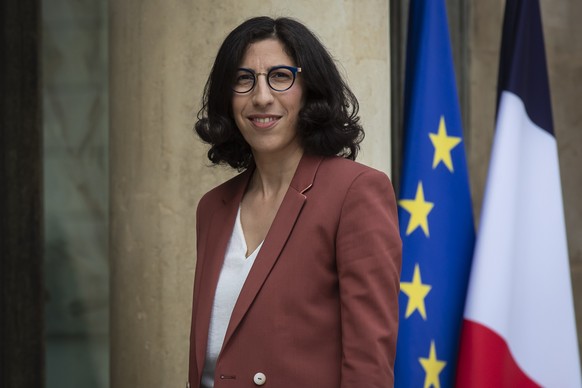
(485, 360)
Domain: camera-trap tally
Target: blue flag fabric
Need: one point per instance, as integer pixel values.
(435, 210)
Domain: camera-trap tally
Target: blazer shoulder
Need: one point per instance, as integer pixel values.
(349, 169)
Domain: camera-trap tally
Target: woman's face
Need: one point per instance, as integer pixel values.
(267, 119)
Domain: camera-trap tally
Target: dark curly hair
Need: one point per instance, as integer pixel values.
(328, 123)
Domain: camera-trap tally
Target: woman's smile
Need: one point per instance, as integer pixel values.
(264, 121)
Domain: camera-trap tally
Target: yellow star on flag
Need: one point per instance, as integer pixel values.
(416, 292)
(443, 145)
(418, 209)
(432, 367)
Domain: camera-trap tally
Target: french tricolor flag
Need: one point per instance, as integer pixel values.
(519, 328)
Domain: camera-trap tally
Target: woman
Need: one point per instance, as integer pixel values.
(298, 257)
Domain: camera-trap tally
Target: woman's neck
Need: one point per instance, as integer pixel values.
(273, 175)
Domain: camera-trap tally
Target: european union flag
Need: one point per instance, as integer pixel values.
(435, 211)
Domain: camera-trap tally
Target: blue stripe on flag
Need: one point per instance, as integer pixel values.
(522, 67)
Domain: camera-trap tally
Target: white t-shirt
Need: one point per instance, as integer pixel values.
(233, 274)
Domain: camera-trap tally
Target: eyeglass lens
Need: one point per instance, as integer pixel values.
(278, 78)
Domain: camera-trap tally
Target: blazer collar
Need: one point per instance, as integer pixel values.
(305, 174)
(301, 181)
(275, 240)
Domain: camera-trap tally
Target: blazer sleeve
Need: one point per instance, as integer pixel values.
(369, 259)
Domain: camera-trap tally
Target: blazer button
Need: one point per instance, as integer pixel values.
(260, 378)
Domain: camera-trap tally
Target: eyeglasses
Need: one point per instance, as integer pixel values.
(279, 78)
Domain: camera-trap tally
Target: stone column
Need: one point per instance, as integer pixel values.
(160, 55)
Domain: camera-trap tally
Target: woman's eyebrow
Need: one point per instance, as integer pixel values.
(268, 68)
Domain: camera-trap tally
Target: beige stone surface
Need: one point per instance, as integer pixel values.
(160, 55)
(563, 41)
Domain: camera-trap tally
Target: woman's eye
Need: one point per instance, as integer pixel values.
(244, 78)
(280, 75)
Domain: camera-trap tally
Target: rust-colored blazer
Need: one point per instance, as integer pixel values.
(319, 307)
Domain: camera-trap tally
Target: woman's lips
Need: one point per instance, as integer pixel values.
(264, 121)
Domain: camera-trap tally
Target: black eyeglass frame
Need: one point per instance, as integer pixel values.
(293, 69)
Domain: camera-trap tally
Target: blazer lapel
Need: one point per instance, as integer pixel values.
(220, 231)
(278, 234)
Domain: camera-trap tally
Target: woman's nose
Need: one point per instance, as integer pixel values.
(262, 93)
